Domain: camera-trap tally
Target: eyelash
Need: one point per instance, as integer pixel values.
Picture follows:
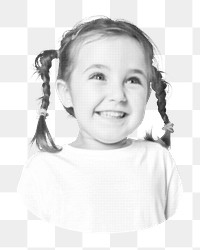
(100, 74)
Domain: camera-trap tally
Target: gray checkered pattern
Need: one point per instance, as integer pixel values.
(27, 28)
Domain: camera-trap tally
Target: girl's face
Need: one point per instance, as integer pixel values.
(119, 84)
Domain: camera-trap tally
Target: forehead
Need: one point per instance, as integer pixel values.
(116, 51)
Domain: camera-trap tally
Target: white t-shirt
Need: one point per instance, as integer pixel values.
(117, 190)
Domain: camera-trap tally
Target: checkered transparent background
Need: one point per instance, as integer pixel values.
(27, 28)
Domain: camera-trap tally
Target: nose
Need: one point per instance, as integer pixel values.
(116, 92)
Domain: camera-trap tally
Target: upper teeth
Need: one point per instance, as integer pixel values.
(114, 113)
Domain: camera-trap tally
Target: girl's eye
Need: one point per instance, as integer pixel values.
(135, 79)
(96, 74)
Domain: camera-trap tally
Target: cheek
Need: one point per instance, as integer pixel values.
(138, 100)
(85, 105)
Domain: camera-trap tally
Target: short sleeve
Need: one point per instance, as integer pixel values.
(174, 188)
(29, 189)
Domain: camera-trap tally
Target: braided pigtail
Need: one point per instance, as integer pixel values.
(159, 85)
(43, 63)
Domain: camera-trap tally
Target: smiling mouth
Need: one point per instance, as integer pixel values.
(107, 116)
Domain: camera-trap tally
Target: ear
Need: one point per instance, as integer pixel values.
(63, 93)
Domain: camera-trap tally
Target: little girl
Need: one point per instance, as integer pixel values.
(103, 181)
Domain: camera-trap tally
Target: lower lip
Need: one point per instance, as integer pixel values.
(110, 118)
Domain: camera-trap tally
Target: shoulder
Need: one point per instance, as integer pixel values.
(150, 146)
(36, 159)
(155, 152)
(39, 162)
(43, 161)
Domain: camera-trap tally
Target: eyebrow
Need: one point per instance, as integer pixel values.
(100, 66)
